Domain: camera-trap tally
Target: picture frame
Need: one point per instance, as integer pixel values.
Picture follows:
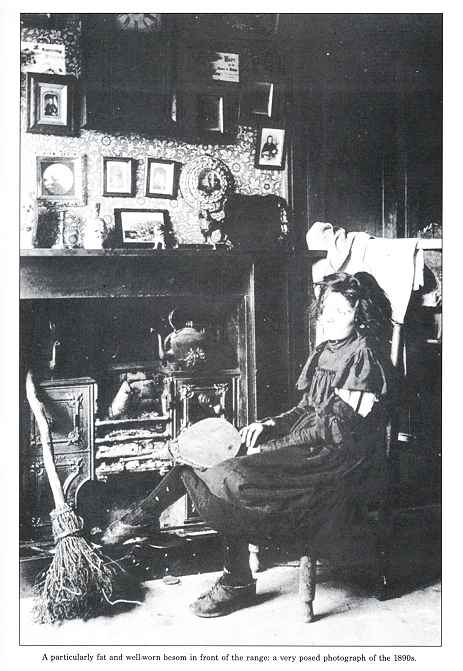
(259, 99)
(211, 113)
(140, 228)
(162, 178)
(212, 68)
(119, 177)
(224, 66)
(60, 180)
(270, 148)
(51, 104)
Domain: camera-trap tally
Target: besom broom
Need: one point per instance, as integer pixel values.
(79, 581)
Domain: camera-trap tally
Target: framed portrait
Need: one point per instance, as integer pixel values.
(51, 103)
(211, 113)
(59, 179)
(161, 178)
(259, 98)
(140, 228)
(119, 176)
(270, 148)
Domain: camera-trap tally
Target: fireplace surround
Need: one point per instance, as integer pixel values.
(90, 322)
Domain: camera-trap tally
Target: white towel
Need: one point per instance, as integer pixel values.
(396, 263)
(345, 251)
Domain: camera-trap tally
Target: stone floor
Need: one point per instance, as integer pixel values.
(346, 611)
(346, 615)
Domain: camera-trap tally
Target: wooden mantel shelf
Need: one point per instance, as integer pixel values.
(163, 253)
(121, 273)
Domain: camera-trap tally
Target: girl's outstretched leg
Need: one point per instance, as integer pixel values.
(143, 516)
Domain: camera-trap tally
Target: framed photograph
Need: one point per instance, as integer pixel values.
(161, 178)
(59, 179)
(119, 176)
(141, 228)
(211, 113)
(260, 98)
(51, 104)
(270, 148)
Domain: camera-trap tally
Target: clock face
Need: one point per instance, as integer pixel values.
(142, 22)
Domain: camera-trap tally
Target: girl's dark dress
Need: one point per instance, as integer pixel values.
(318, 459)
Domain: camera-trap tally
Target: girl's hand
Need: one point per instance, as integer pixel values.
(249, 436)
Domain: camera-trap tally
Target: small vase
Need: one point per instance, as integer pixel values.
(59, 241)
(95, 231)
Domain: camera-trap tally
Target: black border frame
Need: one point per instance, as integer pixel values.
(133, 182)
(268, 128)
(176, 176)
(119, 211)
(70, 128)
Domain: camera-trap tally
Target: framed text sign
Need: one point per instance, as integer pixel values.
(225, 67)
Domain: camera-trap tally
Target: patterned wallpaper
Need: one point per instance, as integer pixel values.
(93, 145)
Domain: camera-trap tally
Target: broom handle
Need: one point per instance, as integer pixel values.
(38, 411)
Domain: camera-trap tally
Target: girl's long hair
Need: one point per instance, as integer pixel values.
(374, 315)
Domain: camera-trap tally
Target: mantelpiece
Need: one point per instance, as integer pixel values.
(48, 273)
(126, 273)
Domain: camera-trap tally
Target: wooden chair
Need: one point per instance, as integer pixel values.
(309, 556)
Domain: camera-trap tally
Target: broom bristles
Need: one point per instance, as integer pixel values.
(78, 581)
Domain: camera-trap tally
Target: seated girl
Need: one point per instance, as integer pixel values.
(303, 468)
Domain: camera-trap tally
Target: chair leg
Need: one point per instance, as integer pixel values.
(384, 588)
(307, 584)
(385, 541)
(254, 562)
